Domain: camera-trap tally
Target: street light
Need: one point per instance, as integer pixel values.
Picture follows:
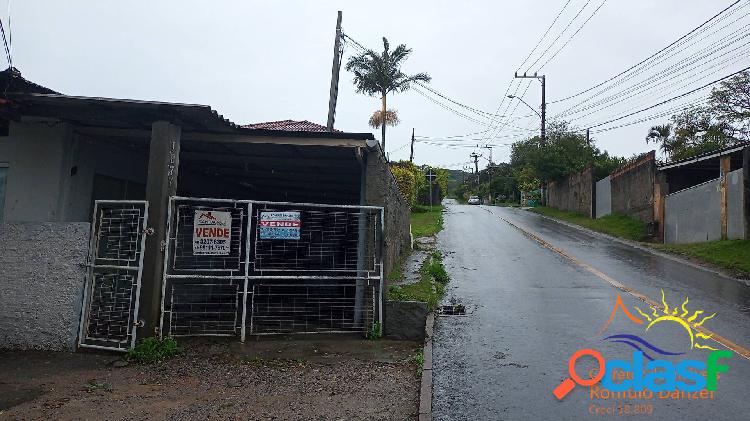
(526, 104)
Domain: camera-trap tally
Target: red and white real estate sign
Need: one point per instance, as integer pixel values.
(212, 233)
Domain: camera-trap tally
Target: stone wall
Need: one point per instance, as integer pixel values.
(41, 284)
(632, 188)
(575, 193)
(381, 190)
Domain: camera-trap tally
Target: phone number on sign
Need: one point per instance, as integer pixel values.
(622, 409)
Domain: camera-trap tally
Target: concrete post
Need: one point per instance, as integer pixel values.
(362, 231)
(724, 168)
(163, 165)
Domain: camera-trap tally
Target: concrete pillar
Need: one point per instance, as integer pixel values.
(661, 189)
(746, 188)
(724, 169)
(163, 164)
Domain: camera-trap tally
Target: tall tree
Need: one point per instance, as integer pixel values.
(380, 74)
(564, 152)
(723, 121)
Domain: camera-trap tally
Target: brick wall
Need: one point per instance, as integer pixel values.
(632, 188)
(575, 193)
(41, 284)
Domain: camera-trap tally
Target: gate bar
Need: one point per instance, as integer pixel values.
(247, 269)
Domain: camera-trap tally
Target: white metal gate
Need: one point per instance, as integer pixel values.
(271, 267)
(110, 304)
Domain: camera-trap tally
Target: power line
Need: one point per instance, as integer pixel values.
(544, 35)
(671, 99)
(649, 57)
(662, 73)
(572, 36)
(558, 36)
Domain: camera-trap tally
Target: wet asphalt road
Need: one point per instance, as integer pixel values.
(530, 309)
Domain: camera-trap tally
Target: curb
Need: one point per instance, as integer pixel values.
(425, 394)
(650, 250)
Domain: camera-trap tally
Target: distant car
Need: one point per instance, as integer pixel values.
(474, 200)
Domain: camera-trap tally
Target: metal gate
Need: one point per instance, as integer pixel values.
(237, 267)
(113, 282)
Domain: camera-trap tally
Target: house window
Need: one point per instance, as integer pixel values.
(3, 178)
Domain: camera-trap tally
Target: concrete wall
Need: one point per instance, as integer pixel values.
(406, 320)
(575, 193)
(603, 197)
(51, 171)
(41, 284)
(381, 190)
(693, 215)
(735, 203)
(34, 154)
(633, 188)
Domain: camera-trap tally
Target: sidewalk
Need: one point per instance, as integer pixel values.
(336, 378)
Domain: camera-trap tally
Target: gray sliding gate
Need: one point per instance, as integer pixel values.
(238, 267)
(110, 305)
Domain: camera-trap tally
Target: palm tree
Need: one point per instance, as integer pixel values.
(380, 74)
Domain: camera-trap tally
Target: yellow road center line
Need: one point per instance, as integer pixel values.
(739, 349)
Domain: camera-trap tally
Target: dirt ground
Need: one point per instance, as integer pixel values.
(280, 379)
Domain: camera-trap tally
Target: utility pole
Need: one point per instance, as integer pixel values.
(542, 79)
(588, 137)
(411, 155)
(338, 47)
(475, 157)
(430, 177)
(490, 149)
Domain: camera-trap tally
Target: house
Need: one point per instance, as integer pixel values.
(100, 201)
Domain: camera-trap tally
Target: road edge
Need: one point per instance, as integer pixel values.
(638, 246)
(425, 394)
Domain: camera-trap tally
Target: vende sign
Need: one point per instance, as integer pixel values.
(212, 233)
(279, 225)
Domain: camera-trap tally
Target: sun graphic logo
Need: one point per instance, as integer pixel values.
(646, 372)
(679, 316)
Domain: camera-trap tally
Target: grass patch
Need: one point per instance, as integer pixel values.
(431, 286)
(397, 273)
(376, 332)
(733, 255)
(418, 360)
(426, 222)
(615, 225)
(152, 349)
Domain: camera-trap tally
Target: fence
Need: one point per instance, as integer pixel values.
(694, 214)
(235, 267)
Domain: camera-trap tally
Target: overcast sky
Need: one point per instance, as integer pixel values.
(257, 61)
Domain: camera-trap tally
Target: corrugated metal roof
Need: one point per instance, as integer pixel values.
(288, 125)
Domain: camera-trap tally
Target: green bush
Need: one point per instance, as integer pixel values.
(375, 332)
(152, 349)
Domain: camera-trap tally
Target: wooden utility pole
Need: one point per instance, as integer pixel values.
(588, 137)
(334, 93)
(411, 155)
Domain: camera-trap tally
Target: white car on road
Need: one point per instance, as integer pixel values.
(473, 200)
